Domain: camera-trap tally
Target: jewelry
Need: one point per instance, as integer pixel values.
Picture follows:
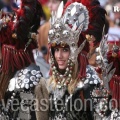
(62, 80)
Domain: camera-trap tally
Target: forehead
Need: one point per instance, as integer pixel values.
(60, 47)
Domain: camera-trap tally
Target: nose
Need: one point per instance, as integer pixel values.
(59, 54)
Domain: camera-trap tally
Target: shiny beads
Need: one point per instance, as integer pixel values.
(51, 33)
(58, 27)
(100, 96)
(62, 44)
(65, 33)
(33, 72)
(66, 78)
(115, 48)
(26, 78)
(98, 59)
(73, 44)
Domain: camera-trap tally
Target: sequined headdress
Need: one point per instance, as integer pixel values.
(66, 28)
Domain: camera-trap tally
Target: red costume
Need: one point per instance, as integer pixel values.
(17, 40)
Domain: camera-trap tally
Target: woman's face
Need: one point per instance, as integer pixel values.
(53, 4)
(61, 56)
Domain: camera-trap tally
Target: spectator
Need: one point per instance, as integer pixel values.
(114, 22)
(9, 5)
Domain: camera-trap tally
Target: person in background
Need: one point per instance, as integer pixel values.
(17, 43)
(1, 4)
(114, 29)
(113, 56)
(94, 42)
(9, 5)
(100, 26)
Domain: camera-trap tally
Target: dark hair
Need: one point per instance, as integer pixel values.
(98, 21)
(29, 21)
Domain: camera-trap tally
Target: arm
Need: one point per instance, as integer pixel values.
(41, 93)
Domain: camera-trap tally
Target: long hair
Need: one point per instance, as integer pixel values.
(72, 84)
(78, 72)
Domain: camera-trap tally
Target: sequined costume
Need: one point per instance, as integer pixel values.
(73, 106)
(109, 68)
(19, 99)
(18, 74)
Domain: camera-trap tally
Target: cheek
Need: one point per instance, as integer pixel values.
(67, 55)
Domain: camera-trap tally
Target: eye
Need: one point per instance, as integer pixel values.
(66, 49)
(56, 49)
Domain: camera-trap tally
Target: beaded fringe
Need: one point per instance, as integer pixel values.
(14, 59)
(115, 88)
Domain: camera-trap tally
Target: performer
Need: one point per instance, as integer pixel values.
(113, 56)
(17, 40)
(73, 80)
(108, 67)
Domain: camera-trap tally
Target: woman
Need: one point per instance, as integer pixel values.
(70, 91)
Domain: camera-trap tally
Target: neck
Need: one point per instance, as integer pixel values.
(61, 71)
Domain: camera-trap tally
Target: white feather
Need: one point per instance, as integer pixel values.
(60, 10)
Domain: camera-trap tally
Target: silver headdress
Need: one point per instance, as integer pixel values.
(66, 28)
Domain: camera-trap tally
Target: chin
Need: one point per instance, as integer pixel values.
(62, 67)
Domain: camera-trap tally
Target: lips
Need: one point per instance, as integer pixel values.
(61, 62)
